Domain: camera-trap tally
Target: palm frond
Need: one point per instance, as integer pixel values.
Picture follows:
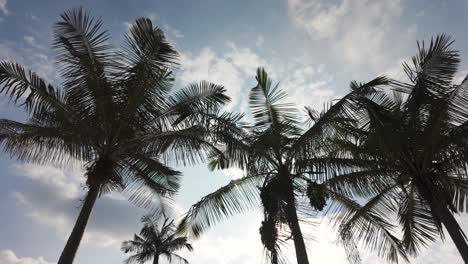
(147, 47)
(434, 66)
(197, 98)
(236, 197)
(457, 105)
(38, 95)
(368, 224)
(342, 113)
(179, 243)
(265, 102)
(84, 56)
(175, 258)
(417, 221)
(148, 182)
(145, 73)
(42, 144)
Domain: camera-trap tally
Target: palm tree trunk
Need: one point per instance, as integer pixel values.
(274, 258)
(293, 221)
(435, 200)
(301, 251)
(69, 252)
(456, 233)
(156, 259)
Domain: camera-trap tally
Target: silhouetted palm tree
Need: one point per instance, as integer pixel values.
(154, 242)
(113, 113)
(417, 139)
(289, 163)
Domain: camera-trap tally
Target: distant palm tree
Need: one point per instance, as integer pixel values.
(417, 139)
(113, 113)
(154, 242)
(286, 161)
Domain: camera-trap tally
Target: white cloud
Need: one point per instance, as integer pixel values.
(236, 67)
(309, 86)
(173, 32)
(66, 181)
(320, 20)
(9, 257)
(230, 69)
(358, 32)
(3, 7)
(244, 247)
(395, 71)
(244, 59)
(234, 173)
(32, 58)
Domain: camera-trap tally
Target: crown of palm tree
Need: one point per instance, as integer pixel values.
(113, 112)
(154, 241)
(414, 138)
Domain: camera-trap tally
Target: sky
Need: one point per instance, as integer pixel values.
(314, 48)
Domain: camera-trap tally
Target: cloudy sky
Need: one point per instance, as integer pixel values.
(315, 48)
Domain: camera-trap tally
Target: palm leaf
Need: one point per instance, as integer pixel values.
(368, 224)
(236, 197)
(37, 94)
(265, 102)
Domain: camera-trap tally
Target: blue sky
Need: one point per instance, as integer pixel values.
(315, 48)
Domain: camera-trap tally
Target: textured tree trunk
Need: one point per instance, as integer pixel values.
(439, 207)
(156, 259)
(299, 245)
(274, 258)
(293, 221)
(456, 233)
(73, 242)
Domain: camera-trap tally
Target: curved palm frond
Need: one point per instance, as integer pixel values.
(197, 98)
(175, 258)
(369, 224)
(417, 221)
(265, 103)
(38, 95)
(236, 197)
(337, 114)
(41, 144)
(84, 55)
(147, 60)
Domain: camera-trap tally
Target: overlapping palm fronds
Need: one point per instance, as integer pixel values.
(114, 112)
(280, 157)
(154, 241)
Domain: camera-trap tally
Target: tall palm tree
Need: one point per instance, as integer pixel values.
(284, 163)
(113, 113)
(154, 242)
(416, 136)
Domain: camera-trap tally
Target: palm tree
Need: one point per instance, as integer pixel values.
(113, 113)
(416, 138)
(154, 242)
(289, 164)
